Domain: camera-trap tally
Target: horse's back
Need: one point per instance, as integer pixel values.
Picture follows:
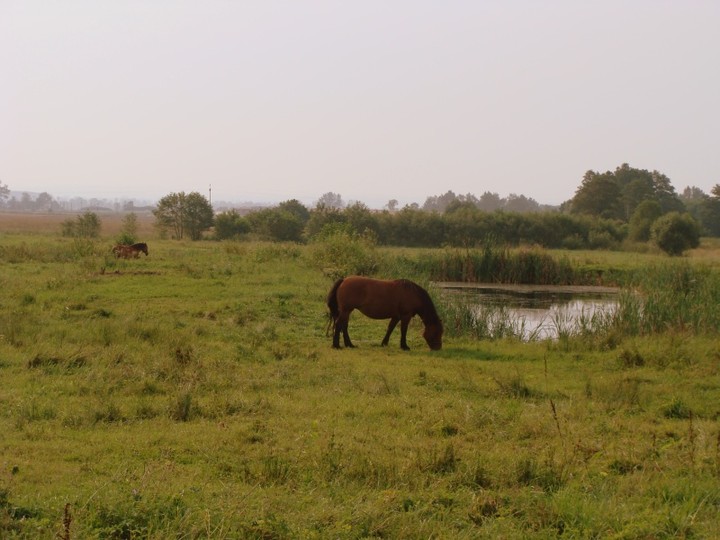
(375, 298)
(140, 246)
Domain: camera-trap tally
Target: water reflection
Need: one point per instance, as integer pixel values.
(532, 312)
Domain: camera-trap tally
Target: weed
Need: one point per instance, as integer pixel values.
(624, 466)
(182, 410)
(109, 413)
(677, 408)
(547, 476)
(631, 359)
(444, 462)
(275, 470)
(269, 527)
(515, 387)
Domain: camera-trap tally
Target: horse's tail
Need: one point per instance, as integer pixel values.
(332, 304)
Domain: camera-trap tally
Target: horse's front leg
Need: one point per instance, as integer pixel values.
(390, 328)
(403, 334)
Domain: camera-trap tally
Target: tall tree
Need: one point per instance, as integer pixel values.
(709, 212)
(617, 194)
(665, 194)
(490, 202)
(4, 192)
(440, 203)
(642, 219)
(598, 195)
(331, 200)
(183, 213)
(296, 208)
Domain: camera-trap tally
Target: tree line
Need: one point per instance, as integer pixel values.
(607, 210)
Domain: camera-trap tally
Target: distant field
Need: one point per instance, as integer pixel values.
(49, 223)
(193, 393)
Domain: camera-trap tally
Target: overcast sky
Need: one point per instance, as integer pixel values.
(374, 100)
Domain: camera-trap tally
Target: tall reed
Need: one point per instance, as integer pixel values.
(502, 265)
(673, 296)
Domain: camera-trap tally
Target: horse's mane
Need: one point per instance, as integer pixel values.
(427, 311)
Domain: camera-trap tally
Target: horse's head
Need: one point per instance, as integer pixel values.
(433, 335)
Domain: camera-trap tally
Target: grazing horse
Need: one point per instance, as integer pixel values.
(399, 300)
(140, 247)
(126, 252)
(121, 250)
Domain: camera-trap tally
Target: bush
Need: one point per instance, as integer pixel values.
(86, 226)
(675, 233)
(230, 224)
(340, 252)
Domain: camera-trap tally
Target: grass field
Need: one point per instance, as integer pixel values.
(193, 393)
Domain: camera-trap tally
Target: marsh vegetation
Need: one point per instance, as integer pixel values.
(194, 393)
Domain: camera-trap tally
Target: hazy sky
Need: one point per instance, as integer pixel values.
(374, 100)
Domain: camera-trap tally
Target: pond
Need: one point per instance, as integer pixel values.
(535, 311)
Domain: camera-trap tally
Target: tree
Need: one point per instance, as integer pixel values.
(183, 213)
(230, 224)
(44, 202)
(665, 194)
(642, 219)
(361, 219)
(439, 203)
(521, 203)
(675, 233)
(86, 226)
(277, 224)
(490, 201)
(322, 216)
(616, 195)
(598, 195)
(128, 232)
(709, 212)
(4, 193)
(331, 200)
(296, 208)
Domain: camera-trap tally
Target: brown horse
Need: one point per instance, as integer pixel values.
(121, 250)
(140, 247)
(398, 300)
(130, 251)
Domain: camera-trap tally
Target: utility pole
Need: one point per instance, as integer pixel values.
(210, 194)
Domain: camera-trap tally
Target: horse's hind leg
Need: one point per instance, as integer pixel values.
(341, 325)
(390, 328)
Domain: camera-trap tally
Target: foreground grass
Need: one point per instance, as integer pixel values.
(194, 394)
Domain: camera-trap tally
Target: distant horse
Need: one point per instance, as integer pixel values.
(121, 250)
(140, 247)
(398, 300)
(130, 251)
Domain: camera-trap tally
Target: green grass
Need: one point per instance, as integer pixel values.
(194, 394)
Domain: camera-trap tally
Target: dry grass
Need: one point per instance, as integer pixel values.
(50, 223)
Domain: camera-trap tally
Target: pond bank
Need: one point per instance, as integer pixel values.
(527, 289)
